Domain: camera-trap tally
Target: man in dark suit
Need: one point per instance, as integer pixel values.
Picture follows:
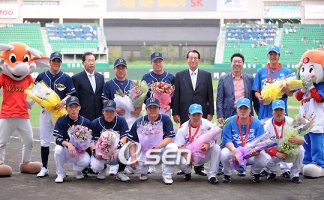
(193, 85)
(232, 86)
(88, 85)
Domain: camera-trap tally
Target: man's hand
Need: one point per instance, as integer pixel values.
(209, 117)
(220, 120)
(120, 111)
(261, 99)
(234, 155)
(205, 147)
(72, 150)
(60, 105)
(176, 118)
(296, 140)
(281, 156)
(254, 153)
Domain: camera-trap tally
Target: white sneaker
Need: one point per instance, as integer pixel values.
(167, 180)
(151, 169)
(128, 171)
(59, 179)
(79, 175)
(113, 169)
(43, 172)
(102, 174)
(143, 177)
(122, 177)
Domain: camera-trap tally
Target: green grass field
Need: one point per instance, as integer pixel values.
(293, 107)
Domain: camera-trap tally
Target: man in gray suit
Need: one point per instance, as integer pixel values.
(232, 86)
(88, 85)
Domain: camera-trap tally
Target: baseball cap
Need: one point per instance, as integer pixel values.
(278, 104)
(152, 102)
(72, 100)
(120, 61)
(274, 48)
(109, 105)
(243, 102)
(195, 108)
(155, 56)
(55, 55)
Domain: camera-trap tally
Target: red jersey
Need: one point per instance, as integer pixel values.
(14, 104)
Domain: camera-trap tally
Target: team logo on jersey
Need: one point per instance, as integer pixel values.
(282, 74)
(60, 87)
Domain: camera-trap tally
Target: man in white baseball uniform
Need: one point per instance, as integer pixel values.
(276, 126)
(187, 134)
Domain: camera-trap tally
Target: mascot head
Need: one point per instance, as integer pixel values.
(18, 60)
(311, 66)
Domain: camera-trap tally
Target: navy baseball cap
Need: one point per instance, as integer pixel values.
(152, 102)
(274, 48)
(120, 61)
(278, 104)
(72, 100)
(55, 55)
(109, 105)
(155, 56)
(195, 108)
(243, 102)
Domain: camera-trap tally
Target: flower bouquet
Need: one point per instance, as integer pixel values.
(195, 147)
(138, 92)
(299, 127)
(124, 101)
(107, 144)
(150, 135)
(45, 97)
(263, 142)
(163, 92)
(273, 91)
(80, 137)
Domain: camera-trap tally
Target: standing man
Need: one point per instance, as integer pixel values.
(158, 74)
(88, 85)
(120, 82)
(193, 85)
(64, 151)
(241, 129)
(233, 86)
(269, 74)
(62, 85)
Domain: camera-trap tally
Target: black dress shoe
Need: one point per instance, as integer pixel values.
(213, 180)
(271, 176)
(227, 179)
(296, 180)
(256, 178)
(286, 174)
(187, 177)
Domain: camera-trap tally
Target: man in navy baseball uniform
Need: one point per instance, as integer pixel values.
(64, 151)
(109, 121)
(62, 84)
(152, 131)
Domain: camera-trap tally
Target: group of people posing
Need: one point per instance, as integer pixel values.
(90, 102)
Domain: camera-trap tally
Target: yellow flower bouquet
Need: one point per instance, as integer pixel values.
(273, 91)
(45, 97)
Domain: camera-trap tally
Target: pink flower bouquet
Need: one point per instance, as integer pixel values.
(163, 92)
(80, 137)
(195, 147)
(107, 144)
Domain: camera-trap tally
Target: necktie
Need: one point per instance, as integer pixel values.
(93, 82)
(193, 80)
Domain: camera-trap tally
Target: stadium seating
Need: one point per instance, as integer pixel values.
(29, 34)
(298, 38)
(249, 39)
(72, 37)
